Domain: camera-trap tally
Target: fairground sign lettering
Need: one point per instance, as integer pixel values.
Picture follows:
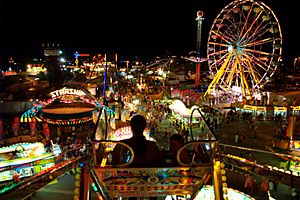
(67, 91)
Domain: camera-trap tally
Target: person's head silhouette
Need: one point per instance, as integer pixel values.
(176, 141)
(138, 124)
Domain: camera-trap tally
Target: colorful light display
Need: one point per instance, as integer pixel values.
(23, 160)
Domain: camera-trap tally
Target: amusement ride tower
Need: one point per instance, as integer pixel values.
(199, 18)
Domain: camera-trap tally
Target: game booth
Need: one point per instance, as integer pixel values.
(282, 111)
(295, 110)
(24, 160)
(290, 142)
(260, 112)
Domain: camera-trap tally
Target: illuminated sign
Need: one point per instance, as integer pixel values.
(247, 107)
(67, 91)
(260, 108)
(295, 107)
(280, 108)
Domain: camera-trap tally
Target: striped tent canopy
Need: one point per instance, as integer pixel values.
(27, 117)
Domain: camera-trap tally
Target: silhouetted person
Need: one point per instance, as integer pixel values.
(176, 141)
(146, 153)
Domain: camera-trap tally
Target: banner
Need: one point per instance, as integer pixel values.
(33, 127)
(46, 130)
(16, 126)
(264, 185)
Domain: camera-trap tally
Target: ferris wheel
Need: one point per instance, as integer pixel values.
(244, 47)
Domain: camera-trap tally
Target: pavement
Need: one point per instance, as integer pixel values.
(265, 133)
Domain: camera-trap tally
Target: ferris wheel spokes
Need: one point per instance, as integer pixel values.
(254, 77)
(252, 38)
(248, 58)
(231, 74)
(258, 61)
(260, 42)
(219, 52)
(246, 20)
(248, 30)
(223, 37)
(219, 44)
(220, 60)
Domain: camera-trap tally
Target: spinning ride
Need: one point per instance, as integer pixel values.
(244, 47)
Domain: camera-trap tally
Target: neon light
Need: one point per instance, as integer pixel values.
(66, 91)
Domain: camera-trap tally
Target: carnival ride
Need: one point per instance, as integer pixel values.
(114, 177)
(244, 47)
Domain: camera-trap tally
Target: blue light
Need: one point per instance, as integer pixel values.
(76, 54)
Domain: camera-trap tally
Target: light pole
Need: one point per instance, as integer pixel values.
(296, 60)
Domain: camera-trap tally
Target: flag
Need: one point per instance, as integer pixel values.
(249, 182)
(46, 130)
(33, 126)
(264, 185)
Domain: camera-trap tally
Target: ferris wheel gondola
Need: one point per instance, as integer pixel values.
(111, 171)
(244, 47)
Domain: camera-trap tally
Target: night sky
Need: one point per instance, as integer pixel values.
(127, 27)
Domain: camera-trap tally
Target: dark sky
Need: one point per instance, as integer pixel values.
(128, 27)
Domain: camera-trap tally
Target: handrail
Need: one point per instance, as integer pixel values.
(116, 143)
(39, 177)
(97, 123)
(205, 121)
(294, 158)
(198, 142)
